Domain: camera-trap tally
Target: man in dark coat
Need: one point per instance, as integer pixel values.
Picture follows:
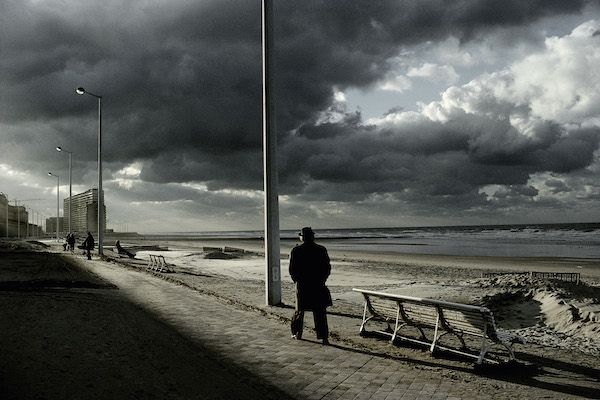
(309, 269)
(88, 245)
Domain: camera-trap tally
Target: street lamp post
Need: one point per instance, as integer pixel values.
(272, 234)
(57, 204)
(82, 91)
(6, 196)
(18, 219)
(70, 188)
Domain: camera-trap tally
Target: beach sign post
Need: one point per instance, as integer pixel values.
(272, 246)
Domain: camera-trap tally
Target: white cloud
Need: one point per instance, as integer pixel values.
(396, 83)
(128, 176)
(451, 52)
(340, 96)
(562, 83)
(434, 72)
(132, 170)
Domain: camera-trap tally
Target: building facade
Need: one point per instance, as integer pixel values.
(84, 211)
(14, 220)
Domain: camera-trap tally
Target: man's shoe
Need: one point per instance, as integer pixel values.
(325, 341)
(297, 336)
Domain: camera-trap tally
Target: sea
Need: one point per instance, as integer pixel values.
(568, 240)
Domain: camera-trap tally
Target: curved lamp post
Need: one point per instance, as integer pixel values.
(57, 204)
(70, 188)
(82, 91)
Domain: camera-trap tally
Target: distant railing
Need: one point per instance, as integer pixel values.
(573, 277)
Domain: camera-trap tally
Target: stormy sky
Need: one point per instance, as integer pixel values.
(389, 112)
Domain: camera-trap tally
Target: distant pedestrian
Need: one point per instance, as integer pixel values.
(71, 242)
(309, 268)
(88, 245)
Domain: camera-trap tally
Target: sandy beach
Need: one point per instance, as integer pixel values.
(547, 313)
(560, 321)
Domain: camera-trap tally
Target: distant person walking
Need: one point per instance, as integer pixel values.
(309, 269)
(71, 242)
(88, 245)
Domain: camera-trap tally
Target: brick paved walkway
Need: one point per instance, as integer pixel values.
(302, 369)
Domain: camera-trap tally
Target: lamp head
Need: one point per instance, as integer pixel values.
(58, 148)
(80, 90)
(49, 173)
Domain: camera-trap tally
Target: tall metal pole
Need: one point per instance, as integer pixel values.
(57, 205)
(272, 239)
(57, 209)
(6, 196)
(18, 219)
(100, 193)
(70, 187)
(70, 195)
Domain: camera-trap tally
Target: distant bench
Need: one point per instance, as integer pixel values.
(441, 316)
(158, 263)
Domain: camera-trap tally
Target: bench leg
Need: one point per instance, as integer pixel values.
(485, 349)
(396, 327)
(435, 332)
(364, 321)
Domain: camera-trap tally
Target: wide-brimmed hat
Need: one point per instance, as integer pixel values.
(307, 232)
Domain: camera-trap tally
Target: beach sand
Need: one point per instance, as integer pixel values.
(560, 321)
(553, 314)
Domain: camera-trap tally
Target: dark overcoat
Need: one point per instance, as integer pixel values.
(89, 244)
(309, 269)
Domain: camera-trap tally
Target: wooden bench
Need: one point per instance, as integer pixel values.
(441, 316)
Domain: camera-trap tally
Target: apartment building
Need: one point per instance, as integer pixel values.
(84, 212)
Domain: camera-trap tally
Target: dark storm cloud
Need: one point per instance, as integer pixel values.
(181, 87)
(432, 158)
(557, 186)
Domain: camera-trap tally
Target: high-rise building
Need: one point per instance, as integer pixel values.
(84, 211)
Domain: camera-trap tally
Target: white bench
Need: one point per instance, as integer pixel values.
(441, 316)
(158, 263)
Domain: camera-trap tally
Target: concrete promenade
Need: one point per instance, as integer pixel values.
(184, 344)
